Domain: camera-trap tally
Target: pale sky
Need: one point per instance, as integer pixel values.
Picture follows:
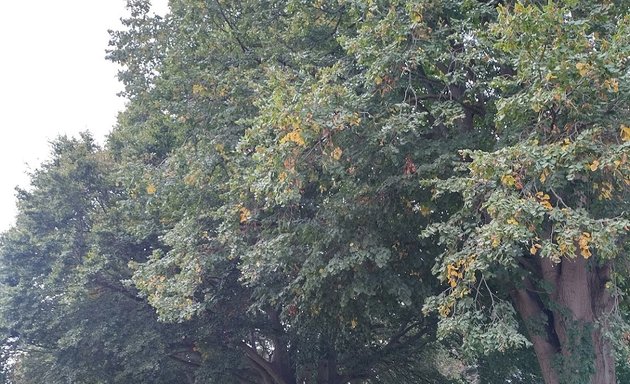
(54, 80)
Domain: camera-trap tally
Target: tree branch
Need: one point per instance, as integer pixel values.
(263, 364)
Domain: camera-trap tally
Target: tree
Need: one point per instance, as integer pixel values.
(543, 219)
(255, 281)
(289, 177)
(66, 314)
(541, 94)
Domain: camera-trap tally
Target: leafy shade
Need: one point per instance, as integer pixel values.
(337, 192)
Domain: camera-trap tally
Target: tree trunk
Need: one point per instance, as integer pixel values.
(568, 322)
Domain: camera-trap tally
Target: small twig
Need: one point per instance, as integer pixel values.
(558, 197)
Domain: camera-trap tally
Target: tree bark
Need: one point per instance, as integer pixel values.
(532, 313)
(568, 331)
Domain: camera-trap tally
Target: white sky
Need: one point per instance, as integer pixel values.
(54, 79)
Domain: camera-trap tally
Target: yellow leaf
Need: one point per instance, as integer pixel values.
(508, 180)
(534, 249)
(583, 241)
(582, 68)
(606, 191)
(543, 199)
(495, 241)
(625, 133)
(512, 221)
(336, 153)
(612, 85)
(563, 247)
(190, 179)
(546, 204)
(543, 175)
(354, 323)
(151, 189)
(353, 120)
(444, 310)
(294, 136)
(244, 214)
(594, 165)
(198, 89)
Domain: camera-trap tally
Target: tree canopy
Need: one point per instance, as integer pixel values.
(337, 192)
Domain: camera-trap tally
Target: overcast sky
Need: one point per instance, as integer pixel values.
(54, 80)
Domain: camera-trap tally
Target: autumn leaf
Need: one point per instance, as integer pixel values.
(244, 214)
(594, 165)
(508, 180)
(512, 221)
(544, 200)
(410, 167)
(543, 175)
(151, 189)
(605, 190)
(444, 310)
(336, 153)
(495, 241)
(294, 136)
(583, 241)
(355, 120)
(452, 271)
(582, 68)
(198, 89)
(612, 85)
(625, 133)
(534, 249)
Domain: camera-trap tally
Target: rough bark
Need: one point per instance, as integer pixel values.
(534, 315)
(568, 331)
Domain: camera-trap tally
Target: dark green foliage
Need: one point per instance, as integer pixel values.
(289, 177)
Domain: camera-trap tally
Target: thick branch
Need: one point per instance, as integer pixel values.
(260, 362)
(101, 282)
(535, 317)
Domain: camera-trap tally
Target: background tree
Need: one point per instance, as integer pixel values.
(65, 309)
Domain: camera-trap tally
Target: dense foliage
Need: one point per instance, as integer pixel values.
(337, 192)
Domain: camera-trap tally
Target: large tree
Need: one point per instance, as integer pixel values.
(289, 177)
(185, 145)
(66, 313)
(543, 226)
(534, 97)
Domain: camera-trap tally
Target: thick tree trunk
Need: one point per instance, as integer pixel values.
(567, 324)
(532, 312)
